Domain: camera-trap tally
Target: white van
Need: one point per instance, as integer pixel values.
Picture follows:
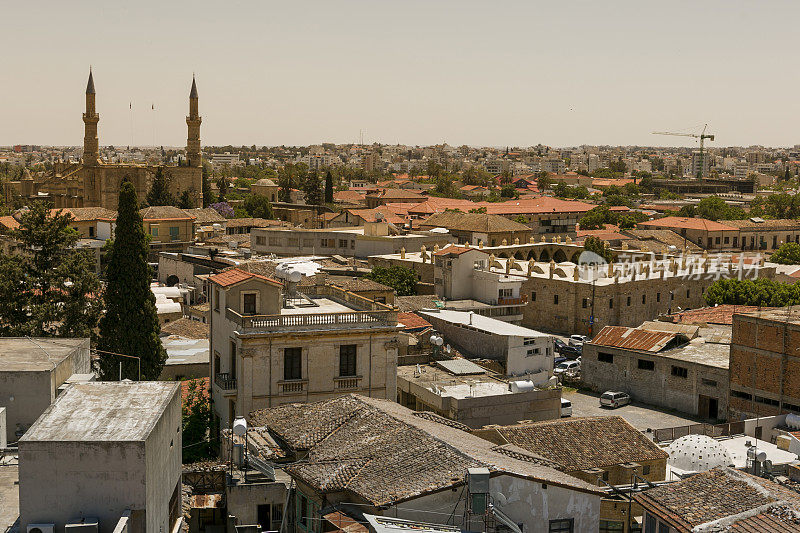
(566, 407)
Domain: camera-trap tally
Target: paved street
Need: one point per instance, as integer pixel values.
(640, 416)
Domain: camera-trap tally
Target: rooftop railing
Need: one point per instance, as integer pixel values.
(364, 313)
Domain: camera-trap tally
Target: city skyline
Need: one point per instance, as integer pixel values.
(291, 75)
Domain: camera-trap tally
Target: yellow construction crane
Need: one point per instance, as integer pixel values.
(702, 136)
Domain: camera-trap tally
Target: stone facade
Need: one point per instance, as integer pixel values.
(93, 183)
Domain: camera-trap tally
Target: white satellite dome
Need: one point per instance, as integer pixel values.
(697, 453)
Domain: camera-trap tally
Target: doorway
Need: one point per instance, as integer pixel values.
(708, 407)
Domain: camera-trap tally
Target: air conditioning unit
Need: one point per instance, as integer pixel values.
(41, 528)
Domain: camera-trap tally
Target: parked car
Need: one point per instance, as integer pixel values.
(614, 399)
(566, 407)
(570, 352)
(567, 366)
(578, 340)
(558, 360)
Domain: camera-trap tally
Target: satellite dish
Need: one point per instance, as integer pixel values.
(295, 276)
(501, 499)
(239, 426)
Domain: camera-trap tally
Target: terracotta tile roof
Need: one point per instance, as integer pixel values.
(772, 224)
(440, 205)
(685, 223)
(383, 453)
(164, 212)
(721, 314)
(230, 277)
(357, 284)
(186, 327)
(581, 443)
(354, 197)
(202, 383)
(723, 494)
(534, 206)
(82, 214)
(9, 222)
(475, 222)
(412, 321)
(205, 216)
(661, 239)
(457, 250)
(397, 193)
(637, 339)
(251, 223)
(377, 215)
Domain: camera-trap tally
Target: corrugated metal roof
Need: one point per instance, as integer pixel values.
(460, 367)
(634, 339)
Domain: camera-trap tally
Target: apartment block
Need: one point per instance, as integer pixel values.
(273, 342)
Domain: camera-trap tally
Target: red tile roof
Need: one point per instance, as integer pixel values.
(233, 276)
(686, 223)
(412, 321)
(9, 222)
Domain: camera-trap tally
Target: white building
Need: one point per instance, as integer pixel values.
(523, 351)
(108, 451)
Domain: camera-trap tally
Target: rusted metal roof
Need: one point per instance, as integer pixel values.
(205, 501)
(634, 339)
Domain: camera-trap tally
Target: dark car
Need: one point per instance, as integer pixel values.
(564, 349)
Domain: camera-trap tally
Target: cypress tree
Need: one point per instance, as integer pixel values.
(312, 189)
(328, 188)
(130, 324)
(159, 190)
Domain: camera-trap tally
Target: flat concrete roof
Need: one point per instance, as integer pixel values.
(22, 354)
(444, 383)
(481, 323)
(103, 411)
(701, 352)
(324, 305)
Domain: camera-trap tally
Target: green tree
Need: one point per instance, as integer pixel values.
(626, 222)
(130, 324)
(787, 254)
(597, 218)
(403, 280)
(258, 206)
(208, 194)
(328, 188)
(196, 422)
(599, 247)
(543, 180)
(159, 190)
(761, 291)
(50, 288)
(312, 189)
(222, 187)
(185, 201)
(508, 191)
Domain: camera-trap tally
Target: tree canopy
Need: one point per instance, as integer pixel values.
(599, 247)
(787, 254)
(403, 280)
(312, 189)
(328, 188)
(50, 289)
(130, 324)
(258, 206)
(159, 190)
(761, 291)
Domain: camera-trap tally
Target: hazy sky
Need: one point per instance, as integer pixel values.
(416, 72)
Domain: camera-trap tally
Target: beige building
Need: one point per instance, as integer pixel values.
(170, 228)
(266, 187)
(94, 183)
(479, 228)
(374, 238)
(680, 367)
(272, 344)
(707, 234)
(462, 391)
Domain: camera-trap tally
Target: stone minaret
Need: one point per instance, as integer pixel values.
(193, 122)
(91, 146)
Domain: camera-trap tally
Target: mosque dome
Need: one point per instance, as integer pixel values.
(265, 182)
(697, 453)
